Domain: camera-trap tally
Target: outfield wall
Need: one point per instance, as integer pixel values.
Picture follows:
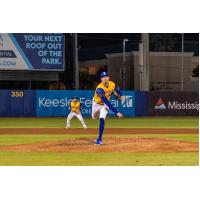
(55, 103)
(14, 103)
(173, 103)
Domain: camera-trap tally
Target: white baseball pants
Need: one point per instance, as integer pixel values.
(79, 116)
(99, 111)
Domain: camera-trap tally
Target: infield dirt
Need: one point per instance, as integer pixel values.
(112, 144)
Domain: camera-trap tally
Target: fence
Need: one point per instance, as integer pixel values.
(173, 103)
(55, 103)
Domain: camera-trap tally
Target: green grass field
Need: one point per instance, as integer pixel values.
(137, 122)
(12, 158)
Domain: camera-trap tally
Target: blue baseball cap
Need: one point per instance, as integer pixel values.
(103, 74)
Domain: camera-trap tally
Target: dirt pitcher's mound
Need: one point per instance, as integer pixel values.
(110, 145)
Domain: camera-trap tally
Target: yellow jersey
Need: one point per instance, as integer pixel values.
(75, 107)
(108, 92)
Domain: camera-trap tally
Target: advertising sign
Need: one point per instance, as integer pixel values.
(32, 51)
(173, 103)
(56, 103)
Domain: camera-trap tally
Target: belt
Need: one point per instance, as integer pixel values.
(98, 103)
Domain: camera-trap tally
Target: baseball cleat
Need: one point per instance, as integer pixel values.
(98, 142)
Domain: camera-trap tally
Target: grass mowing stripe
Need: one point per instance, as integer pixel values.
(23, 139)
(135, 122)
(99, 159)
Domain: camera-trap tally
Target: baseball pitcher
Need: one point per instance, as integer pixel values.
(101, 102)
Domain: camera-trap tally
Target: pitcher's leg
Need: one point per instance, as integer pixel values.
(103, 114)
(95, 110)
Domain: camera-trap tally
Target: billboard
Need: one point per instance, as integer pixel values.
(56, 103)
(32, 51)
(173, 103)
